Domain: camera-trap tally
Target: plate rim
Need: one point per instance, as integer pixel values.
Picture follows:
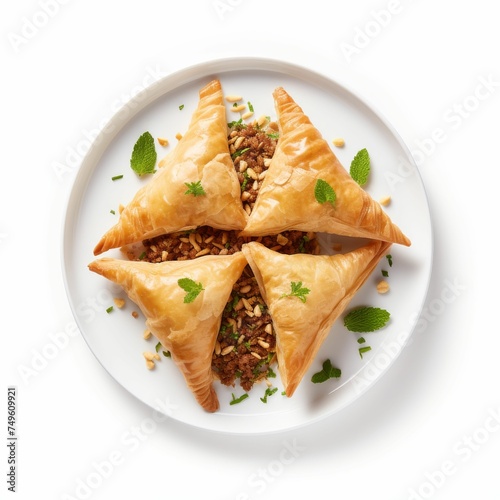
(189, 74)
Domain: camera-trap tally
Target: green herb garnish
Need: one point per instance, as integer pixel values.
(297, 291)
(385, 273)
(192, 288)
(389, 259)
(109, 309)
(361, 340)
(239, 153)
(362, 350)
(116, 177)
(360, 167)
(141, 257)
(246, 177)
(158, 347)
(269, 392)
(112, 212)
(274, 135)
(236, 400)
(195, 188)
(167, 354)
(250, 106)
(238, 124)
(143, 160)
(323, 192)
(181, 107)
(326, 373)
(366, 319)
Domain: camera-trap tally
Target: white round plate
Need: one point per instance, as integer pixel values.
(116, 338)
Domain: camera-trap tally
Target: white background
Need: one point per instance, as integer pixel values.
(427, 428)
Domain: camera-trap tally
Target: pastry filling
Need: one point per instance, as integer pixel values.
(246, 343)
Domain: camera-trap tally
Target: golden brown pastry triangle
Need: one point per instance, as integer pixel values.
(202, 154)
(286, 199)
(302, 326)
(187, 330)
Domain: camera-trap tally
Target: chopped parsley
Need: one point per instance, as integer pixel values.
(117, 177)
(235, 400)
(363, 350)
(112, 212)
(109, 309)
(389, 259)
(239, 153)
(269, 392)
(250, 107)
(297, 290)
(385, 273)
(195, 188)
(181, 107)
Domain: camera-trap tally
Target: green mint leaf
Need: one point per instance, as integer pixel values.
(191, 288)
(360, 167)
(326, 373)
(366, 319)
(181, 107)
(297, 291)
(236, 400)
(109, 309)
(361, 340)
(195, 188)
(323, 192)
(143, 160)
(385, 273)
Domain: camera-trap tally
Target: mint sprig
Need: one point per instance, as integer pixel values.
(328, 372)
(143, 160)
(324, 193)
(366, 319)
(191, 288)
(360, 167)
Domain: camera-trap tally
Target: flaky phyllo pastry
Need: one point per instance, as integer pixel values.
(287, 197)
(187, 329)
(302, 326)
(202, 154)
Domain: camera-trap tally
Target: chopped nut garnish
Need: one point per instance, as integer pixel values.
(135, 314)
(237, 109)
(382, 287)
(339, 142)
(385, 201)
(150, 365)
(178, 136)
(162, 141)
(119, 302)
(146, 335)
(247, 115)
(233, 98)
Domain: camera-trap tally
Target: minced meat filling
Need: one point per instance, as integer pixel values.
(246, 343)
